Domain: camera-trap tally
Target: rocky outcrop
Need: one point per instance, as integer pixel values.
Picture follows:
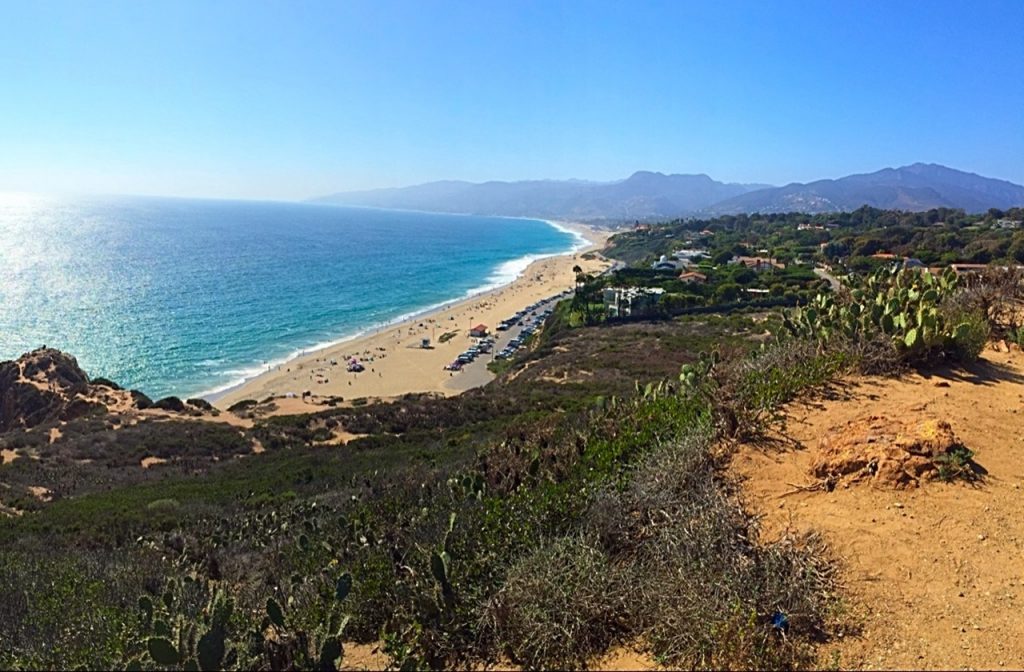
(140, 400)
(201, 404)
(888, 452)
(103, 382)
(47, 385)
(54, 368)
(173, 404)
(38, 387)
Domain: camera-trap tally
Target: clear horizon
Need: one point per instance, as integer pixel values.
(284, 101)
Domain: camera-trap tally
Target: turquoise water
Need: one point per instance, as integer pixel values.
(189, 297)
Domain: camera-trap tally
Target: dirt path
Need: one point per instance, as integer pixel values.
(935, 574)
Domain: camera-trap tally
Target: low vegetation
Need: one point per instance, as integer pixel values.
(442, 520)
(576, 503)
(918, 314)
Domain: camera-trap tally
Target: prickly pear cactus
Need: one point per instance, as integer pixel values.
(903, 304)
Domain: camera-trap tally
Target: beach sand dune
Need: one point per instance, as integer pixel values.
(395, 361)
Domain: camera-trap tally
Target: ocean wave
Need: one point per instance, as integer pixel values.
(580, 241)
(509, 271)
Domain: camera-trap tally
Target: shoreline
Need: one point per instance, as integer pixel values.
(581, 232)
(392, 347)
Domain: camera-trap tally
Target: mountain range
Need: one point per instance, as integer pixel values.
(648, 195)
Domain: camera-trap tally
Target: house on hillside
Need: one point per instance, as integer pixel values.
(665, 264)
(689, 257)
(968, 269)
(631, 301)
(693, 276)
(899, 261)
(758, 264)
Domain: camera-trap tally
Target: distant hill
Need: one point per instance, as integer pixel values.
(643, 195)
(647, 195)
(916, 187)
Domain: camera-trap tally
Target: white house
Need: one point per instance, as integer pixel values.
(631, 301)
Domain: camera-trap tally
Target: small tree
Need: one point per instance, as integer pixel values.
(727, 292)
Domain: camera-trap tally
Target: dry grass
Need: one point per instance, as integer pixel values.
(672, 560)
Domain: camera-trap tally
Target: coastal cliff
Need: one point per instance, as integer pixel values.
(43, 386)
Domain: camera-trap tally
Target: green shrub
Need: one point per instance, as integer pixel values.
(575, 503)
(559, 606)
(103, 382)
(746, 393)
(166, 505)
(970, 335)
(956, 464)
(923, 316)
(703, 590)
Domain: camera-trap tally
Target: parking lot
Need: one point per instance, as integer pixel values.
(505, 339)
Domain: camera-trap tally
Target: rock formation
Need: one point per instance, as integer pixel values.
(885, 451)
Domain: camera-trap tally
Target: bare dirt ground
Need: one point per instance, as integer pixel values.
(933, 575)
(364, 657)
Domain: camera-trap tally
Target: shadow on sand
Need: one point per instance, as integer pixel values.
(981, 372)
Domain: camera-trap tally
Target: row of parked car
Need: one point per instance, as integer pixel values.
(482, 347)
(530, 311)
(532, 320)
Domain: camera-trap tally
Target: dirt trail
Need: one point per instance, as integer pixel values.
(935, 574)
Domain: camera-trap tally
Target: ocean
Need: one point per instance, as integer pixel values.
(191, 297)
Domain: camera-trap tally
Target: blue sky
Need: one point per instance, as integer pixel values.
(287, 100)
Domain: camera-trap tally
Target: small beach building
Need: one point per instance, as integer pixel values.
(479, 331)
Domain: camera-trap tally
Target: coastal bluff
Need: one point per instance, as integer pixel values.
(43, 386)
(47, 386)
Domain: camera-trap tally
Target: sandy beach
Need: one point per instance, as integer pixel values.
(394, 359)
